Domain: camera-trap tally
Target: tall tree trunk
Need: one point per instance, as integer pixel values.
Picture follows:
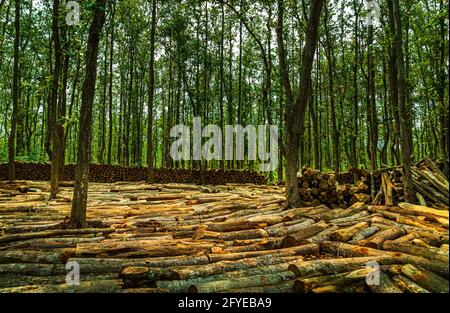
(151, 91)
(79, 202)
(110, 90)
(405, 131)
(371, 110)
(295, 110)
(15, 91)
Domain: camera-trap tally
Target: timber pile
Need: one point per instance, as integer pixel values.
(430, 185)
(103, 173)
(316, 187)
(228, 238)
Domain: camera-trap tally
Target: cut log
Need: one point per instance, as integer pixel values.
(425, 279)
(414, 250)
(407, 285)
(386, 285)
(346, 233)
(380, 237)
(244, 282)
(306, 285)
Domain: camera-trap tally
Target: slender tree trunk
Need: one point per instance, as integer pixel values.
(295, 111)
(15, 91)
(79, 202)
(151, 91)
(405, 131)
(110, 90)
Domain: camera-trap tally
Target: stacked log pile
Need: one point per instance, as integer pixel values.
(229, 238)
(112, 173)
(316, 187)
(431, 187)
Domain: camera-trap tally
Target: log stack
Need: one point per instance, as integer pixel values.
(104, 173)
(316, 188)
(230, 238)
(431, 186)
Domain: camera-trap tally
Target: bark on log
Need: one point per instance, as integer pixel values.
(425, 279)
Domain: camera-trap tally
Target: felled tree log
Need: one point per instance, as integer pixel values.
(306, 285)
(323, 235)
(30, 256)
(54, 233)
(303, 234)
(232, 235)
(407, 285)
(139, 276)
(346, 233)
(419, 210)
(103, 265)
(354, 287)
(279, 230)
(414, 250)
(304, 250)
(348, 250)
(243, 282)
(364, 233)
(386, 285)
(335, 266)
(380, 237)
(426, 279)
(284, 287)
(187, 272)
(94, 286)
(31, 269)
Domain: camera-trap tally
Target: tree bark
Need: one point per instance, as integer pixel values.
(79, 202)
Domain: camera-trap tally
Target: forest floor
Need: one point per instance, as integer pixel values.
(226, 238)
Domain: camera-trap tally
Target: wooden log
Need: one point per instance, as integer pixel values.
(141, 276)
(380, 237)
(364, 233)
(94, 286)
(386, 285)
(303, 234)
(279, 230)
(283, 287)
(304, 250)
(335, 266)
(425, 279)
(187, 272)
(53, 233)
(350, 218)
(30, 256)
(31, 269)
(306, 285)
(355, 287)
(243, 282)
(419, 210)
(346, 233)
(232, 235)
(414, 250)
(348, 250)
(407, 285)
(323, 235)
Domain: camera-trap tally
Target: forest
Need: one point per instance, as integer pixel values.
(357, 91)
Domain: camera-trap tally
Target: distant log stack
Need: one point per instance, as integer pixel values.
(103, 173)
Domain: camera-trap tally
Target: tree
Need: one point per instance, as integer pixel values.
(296, 107)
(79, 202)
(54, 111)
(151, 93)
(15, 91)
(405, 131)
